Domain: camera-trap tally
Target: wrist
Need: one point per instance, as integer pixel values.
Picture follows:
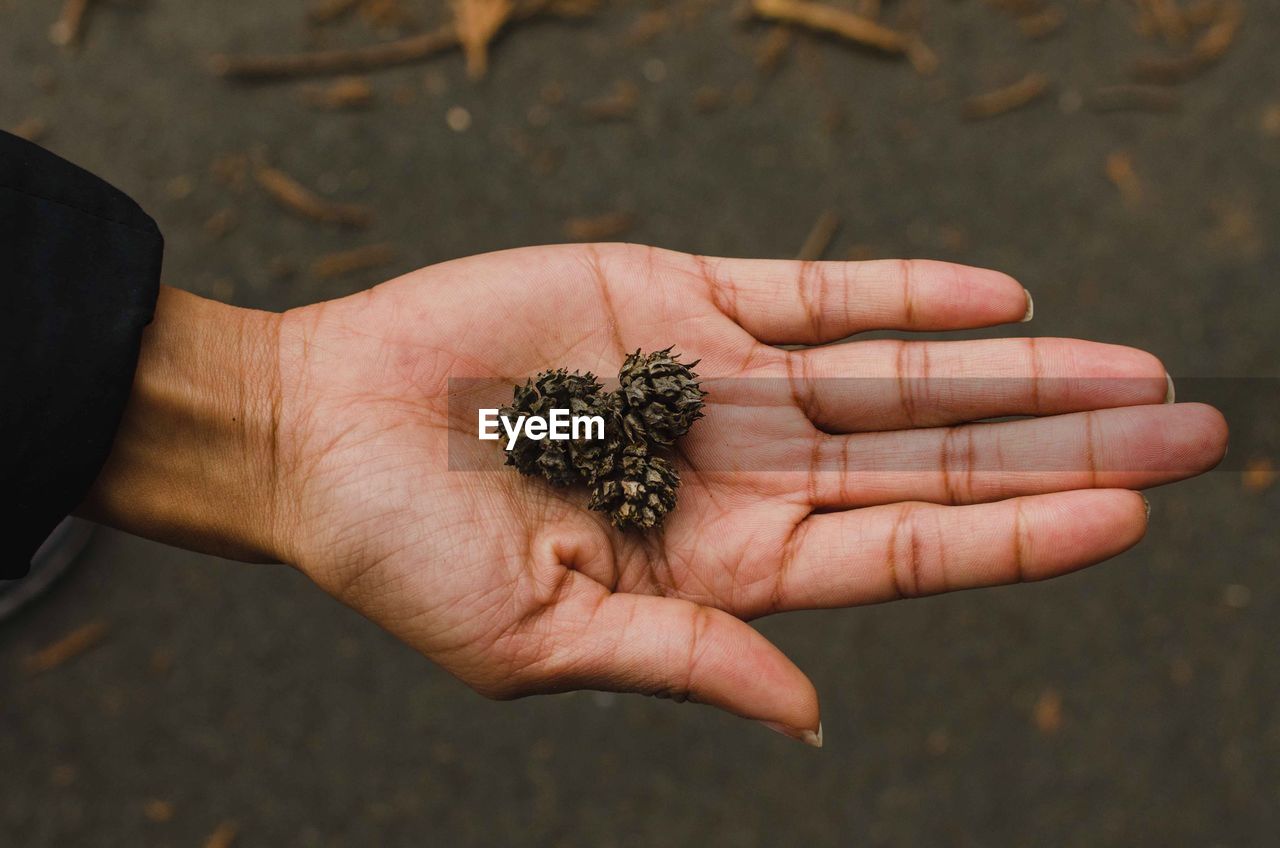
(194, 463)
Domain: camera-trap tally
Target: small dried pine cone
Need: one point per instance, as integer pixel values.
(557, 389)
(661, 397)
(641, 491)
(595, 459)
(584, 460)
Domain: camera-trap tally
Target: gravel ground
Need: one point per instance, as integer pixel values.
(1132, 704)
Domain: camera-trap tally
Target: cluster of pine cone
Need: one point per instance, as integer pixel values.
(657, 400)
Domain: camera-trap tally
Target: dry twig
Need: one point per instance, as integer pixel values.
(328, 11)
(921, 57)
(1168, 18)
(773, 49)
(337, 61)
(476, 23)
(604, 227)
(223, 836)
(301, 201)
(820, 235)
(1201, 13)
(1042, 23)
(346, 262)
(1120, 171)
(388, 14)
(1023, 92)
(618, 105)
(414, 48)
(32, 129)
(343, 93)
(69, 28)
(67, 648)
(1212, 44)
(832, 20)
(1217, 39)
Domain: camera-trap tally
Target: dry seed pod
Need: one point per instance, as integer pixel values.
(584, 460)
(661, 397)
(641, 491)
(594, 459)
(656, 403)
(550, 390)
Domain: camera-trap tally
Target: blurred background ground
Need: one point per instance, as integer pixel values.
(1132, 704)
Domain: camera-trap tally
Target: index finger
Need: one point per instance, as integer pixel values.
(802, 302)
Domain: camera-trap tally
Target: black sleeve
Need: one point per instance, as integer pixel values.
(79, 276)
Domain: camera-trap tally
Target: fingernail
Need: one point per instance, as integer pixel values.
(1146, 503)
(808, 737)
(1169, 393)
(1031, 307)
(813, 739)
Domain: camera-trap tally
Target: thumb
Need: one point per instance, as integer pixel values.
(682, 650)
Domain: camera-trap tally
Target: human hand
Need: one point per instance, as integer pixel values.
(799, 491)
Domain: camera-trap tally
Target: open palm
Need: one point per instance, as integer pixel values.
(802, 488)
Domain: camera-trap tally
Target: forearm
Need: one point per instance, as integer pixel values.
(194, 461)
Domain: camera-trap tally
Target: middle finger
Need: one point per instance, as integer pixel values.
(905, 384)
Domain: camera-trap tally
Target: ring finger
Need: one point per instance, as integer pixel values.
(1131, 448)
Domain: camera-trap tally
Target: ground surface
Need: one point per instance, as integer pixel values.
(226, 691)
